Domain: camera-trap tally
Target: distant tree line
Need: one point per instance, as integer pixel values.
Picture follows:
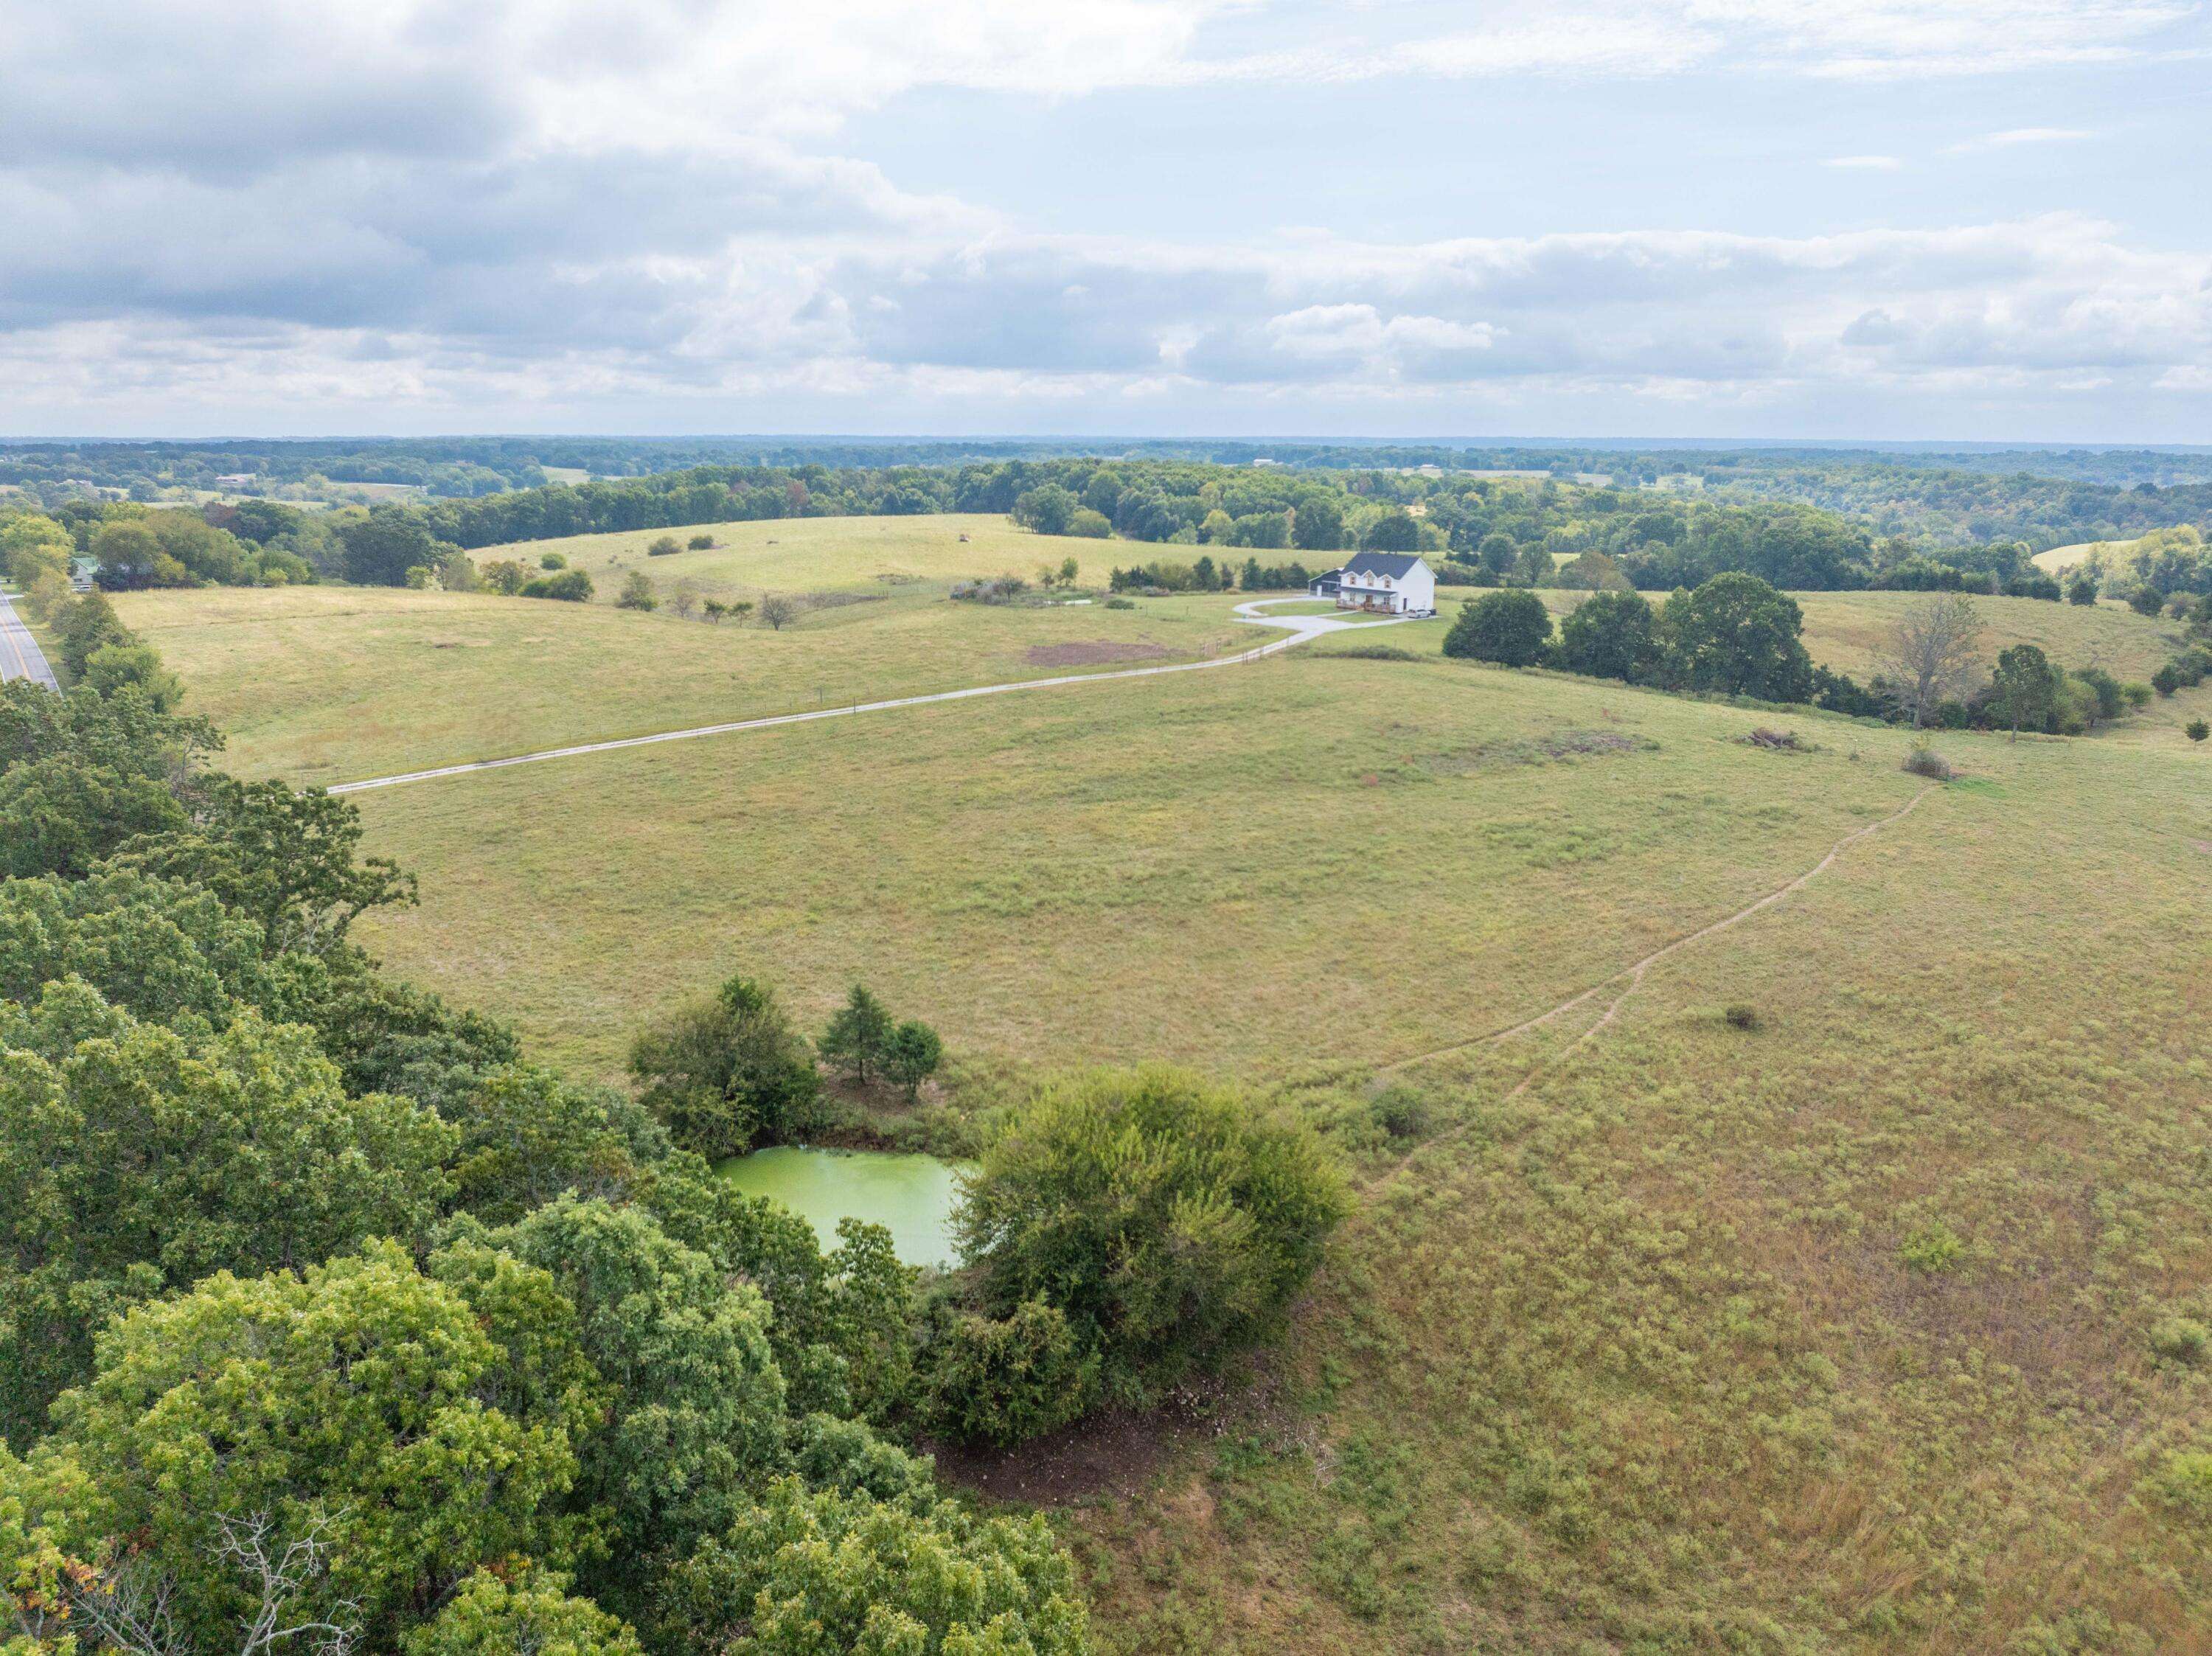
(1735, 635)
(1481, 530)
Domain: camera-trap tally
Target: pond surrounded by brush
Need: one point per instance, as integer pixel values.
(910, 1196)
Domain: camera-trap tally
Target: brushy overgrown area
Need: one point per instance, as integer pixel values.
(1875, 1320)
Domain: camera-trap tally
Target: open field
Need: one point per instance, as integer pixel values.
(1654, 1333)
(1205, 838)
(2059, 559)
(883, 555)
(1832, 1335)
(324, 685)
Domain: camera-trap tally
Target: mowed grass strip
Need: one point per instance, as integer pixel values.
(1301, 860)
(327, 684)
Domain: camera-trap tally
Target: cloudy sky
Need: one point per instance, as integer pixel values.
(1971, 219)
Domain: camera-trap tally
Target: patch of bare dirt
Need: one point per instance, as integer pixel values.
(1115, 1452)
(1090, 654)
(1120, 1453)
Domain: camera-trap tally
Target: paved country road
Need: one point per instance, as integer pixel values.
(1300, 629)
(20, 655)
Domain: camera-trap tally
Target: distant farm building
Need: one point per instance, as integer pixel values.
(234, 480)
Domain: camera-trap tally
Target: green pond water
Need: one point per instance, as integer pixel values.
(910, 1196)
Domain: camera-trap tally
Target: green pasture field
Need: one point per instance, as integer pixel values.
(885, 555)
(1652, 1332)
(1304, 858)
(1859, 1323)
(325, 684)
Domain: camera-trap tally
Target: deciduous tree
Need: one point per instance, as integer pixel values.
(1932, 655)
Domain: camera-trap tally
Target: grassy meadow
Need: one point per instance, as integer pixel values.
(327, 683)
(883, 555)
(1859, 1321)
(1041, 876)
(1652, 1332)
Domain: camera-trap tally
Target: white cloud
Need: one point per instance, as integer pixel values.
(2021, 135)
(535, 203)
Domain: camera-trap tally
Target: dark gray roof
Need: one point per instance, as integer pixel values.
(1395, 565)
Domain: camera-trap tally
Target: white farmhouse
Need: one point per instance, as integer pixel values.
(1387, 583)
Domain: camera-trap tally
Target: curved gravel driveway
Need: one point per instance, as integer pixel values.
(1299, 627)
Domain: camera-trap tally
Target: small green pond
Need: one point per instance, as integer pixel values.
(910, 1196)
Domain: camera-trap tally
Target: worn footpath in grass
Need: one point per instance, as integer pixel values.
(1862, 1327)
(326, 684)
(1247, 870)
(888, 556)
(1854, 1331)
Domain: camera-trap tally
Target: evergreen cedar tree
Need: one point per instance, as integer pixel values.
(859, 1035)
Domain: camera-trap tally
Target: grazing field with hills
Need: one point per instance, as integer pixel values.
(1831, 1322)
(325, 684)
(1778, 1219)
(887, 557)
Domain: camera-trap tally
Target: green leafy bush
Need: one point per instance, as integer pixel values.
(1933, 1248)
(1004, 1380)
(1170, 1221)
(2181, 1339)
(807, 1573)
(727, 1073)
(567, 586)
(1510, 627)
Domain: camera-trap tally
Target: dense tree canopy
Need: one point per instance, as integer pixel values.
(1737, 636)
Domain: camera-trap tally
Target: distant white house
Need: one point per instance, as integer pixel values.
(1383, 583)
(234, 480)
